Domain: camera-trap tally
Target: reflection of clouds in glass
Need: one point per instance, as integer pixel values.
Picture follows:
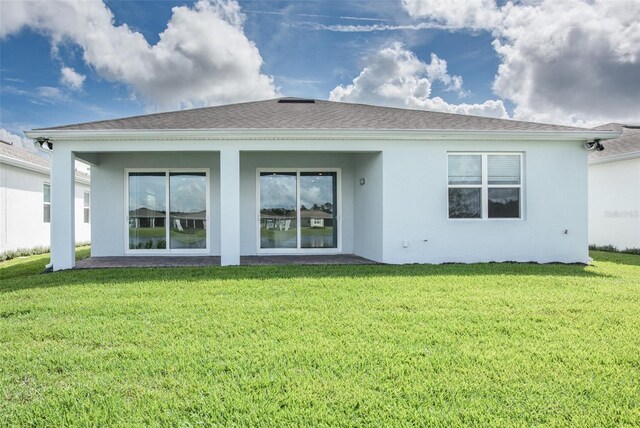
(278, 191)
(465, 169)
(148, 192)
(316, 190)
(187, 193)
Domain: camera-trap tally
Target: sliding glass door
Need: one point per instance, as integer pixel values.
(147, 210)
(298, 209)
(278, 210)
(167, 210)
(318, 210)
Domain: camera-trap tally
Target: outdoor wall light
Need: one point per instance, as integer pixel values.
(43, 144)
(594, 145)
(362, 181)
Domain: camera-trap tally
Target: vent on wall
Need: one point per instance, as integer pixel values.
(296, 101)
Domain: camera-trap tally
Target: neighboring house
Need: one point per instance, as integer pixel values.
(316, 218)
(401, 186)
(146, 218)
(25, 200)
(614, 190)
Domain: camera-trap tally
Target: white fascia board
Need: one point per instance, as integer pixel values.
(614, 158)
(8, 160)
(315, 134)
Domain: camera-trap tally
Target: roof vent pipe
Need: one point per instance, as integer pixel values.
(292, 100)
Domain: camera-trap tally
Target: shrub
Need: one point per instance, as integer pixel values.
(23, 252)
(609, 248)
(613, 249)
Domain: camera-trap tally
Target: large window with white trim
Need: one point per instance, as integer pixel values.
(485, 185)
(167, 210)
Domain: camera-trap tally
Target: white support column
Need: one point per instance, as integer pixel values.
(62, 208)
(229, 207)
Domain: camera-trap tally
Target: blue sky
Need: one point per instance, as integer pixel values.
(69, 63)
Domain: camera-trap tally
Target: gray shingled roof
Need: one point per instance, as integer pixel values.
(272, 114)
(13, 151)
(627, 143)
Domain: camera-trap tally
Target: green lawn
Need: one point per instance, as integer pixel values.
(453, 345)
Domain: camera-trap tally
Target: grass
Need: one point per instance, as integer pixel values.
(279, 235)
(453, 345)
(189, 236)
(147, 232)
(22, 267)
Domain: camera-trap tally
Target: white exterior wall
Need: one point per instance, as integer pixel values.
(21, 209)
(108, 198)
(405, 196)
(416, 206)
(614, 204)
(83, 230)
(368, 206)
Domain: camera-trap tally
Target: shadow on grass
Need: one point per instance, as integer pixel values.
(23, 279)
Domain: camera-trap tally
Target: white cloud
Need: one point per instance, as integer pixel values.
(350, 28)
(50, 93)
(203, 56)
(71, 79)
(314, 15)
(570, 61)
(395, 76)
(475, 14)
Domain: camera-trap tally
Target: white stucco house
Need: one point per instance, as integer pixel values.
(614, 190)
(25, 200)
(394, 185)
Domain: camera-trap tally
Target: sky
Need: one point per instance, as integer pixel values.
(573, 62)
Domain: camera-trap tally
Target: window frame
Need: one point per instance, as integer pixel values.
(165, 251)
(46, 203)
(484, 187)
(86, 207)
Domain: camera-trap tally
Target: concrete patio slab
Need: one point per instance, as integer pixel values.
(176, 261)
(146, 261)
(337, 259)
